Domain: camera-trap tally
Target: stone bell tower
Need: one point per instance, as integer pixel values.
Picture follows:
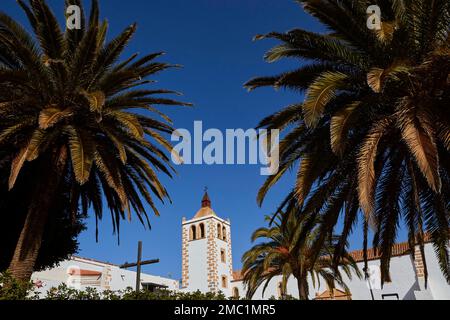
(206, 251)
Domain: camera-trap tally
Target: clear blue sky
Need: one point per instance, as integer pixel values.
(212, 39)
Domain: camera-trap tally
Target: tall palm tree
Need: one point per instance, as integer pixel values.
(281, 255)
(60, 238)
(373, 131)
(84, 117)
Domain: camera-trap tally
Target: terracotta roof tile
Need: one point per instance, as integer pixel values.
(237, 275)
(398, 249)
(82, 272)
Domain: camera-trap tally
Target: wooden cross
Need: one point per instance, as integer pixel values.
(138, 264)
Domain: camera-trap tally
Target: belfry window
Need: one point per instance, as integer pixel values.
(222, 256)
(202, 231)
(193, 233)
(224, 234)
(219, 231)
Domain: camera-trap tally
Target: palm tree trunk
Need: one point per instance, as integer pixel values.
(303, 290)
(29, 243)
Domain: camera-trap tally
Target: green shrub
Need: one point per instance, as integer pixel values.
(286, 297)
(12, 289)
(130, 294)
(63, 292)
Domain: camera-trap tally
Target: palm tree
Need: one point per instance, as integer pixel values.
(60, 238)
(373, 131)
(83, 117)
(281, 255)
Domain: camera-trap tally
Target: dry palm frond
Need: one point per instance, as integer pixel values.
(339, 127)
(82, 151)
(419, 136)
(320, 93)
(97, 101)
(374, 79)
(386, 32)
(366, 166)
(16, 166)
(377, 77)
(51, 116)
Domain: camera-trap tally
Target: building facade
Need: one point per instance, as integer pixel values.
(81, 273)
(207, 266)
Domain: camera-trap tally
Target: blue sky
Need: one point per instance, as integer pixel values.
(212, 39)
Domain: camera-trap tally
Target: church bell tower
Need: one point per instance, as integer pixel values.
(206, 251)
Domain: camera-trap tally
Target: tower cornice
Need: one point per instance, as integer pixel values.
(195, 220)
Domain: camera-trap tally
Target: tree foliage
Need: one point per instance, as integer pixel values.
(372, 133)
(84, 117)
(283, 253)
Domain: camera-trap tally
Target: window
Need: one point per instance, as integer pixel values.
(222, 255)
(219, 231)
(202, 231)
(224, 234)
(224, 282)
(193, 233)
(235, 293)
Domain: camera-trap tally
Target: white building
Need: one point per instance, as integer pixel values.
(81, 273)
(207, 266)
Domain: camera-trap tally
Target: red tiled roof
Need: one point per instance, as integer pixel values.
(398, 249)
(82, 272)
(237, 275)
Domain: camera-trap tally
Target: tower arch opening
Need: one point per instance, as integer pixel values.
(219, 231)
(193, 233)
(224, 233)
(202, 233)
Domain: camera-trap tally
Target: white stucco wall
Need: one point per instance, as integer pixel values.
(198, 266)
(438, 285)
(403, 281)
